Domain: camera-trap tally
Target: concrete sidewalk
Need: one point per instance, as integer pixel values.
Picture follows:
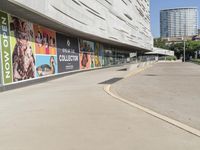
(74, 113)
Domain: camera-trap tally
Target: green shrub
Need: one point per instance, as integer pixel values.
(170, 58)
(197, 61)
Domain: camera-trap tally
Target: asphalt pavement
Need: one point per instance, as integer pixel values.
(75, 113)
(171, 89)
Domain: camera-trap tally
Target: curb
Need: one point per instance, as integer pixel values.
(30, 82)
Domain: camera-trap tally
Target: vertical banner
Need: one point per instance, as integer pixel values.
(22, 48)
(5, 48)
(87, 59)
(46, 53)
(67, 53)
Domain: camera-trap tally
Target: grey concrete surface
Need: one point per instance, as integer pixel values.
(171, 89)
(74, 113)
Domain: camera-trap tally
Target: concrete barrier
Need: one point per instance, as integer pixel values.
(143, 64)
(133, 67)
(148, 63)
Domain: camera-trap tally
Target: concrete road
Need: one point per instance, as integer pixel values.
(74, 113)
(171, 89)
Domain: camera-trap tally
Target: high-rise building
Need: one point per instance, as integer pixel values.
(198, 31)
(179, 22)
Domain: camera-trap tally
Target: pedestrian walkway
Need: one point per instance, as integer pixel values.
(75, 113)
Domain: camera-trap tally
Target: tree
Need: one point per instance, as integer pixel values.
(160, 43)
(177, 47)
(193, 46)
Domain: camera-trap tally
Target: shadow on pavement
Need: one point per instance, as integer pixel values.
(111, 81)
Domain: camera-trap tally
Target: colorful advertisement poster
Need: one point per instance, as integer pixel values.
(86, 46)
(67, 53)
(98, 54)
(45, 40)
(46, 65)
(22, 48)
(85, 61)
(5, 48)
(92, 61)
(45, 49)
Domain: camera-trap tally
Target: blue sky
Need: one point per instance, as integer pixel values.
(157, 5)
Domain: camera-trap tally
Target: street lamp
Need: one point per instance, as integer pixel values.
(183, 49)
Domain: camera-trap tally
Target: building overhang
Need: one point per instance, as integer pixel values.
(15, 9)
(160, 51)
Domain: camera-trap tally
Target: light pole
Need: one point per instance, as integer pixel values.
(183, 49)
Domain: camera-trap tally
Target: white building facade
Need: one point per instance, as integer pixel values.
(122, 21)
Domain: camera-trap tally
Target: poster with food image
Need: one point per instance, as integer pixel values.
(22, 49)
(45, 40)
(67, 53)
(46, 65)
(6, 56)
(85, 61)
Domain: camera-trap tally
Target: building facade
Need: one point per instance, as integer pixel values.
(51, 37)
(179, 22)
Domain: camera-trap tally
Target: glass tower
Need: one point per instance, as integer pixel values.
(179, 22)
